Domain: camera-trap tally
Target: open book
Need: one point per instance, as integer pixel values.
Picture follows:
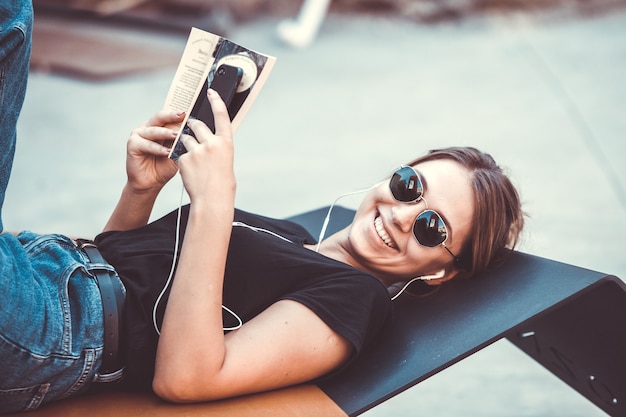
(208, 59)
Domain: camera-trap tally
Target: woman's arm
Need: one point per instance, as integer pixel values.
(148, 169)
(284, 345)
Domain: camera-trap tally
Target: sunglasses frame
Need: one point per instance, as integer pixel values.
(417, 199)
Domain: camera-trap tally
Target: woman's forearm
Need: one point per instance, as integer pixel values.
(191, 347)
(191, 352)
(132, 210)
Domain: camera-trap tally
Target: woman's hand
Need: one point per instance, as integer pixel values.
(147, 166)
(207, 167)
(148, 169)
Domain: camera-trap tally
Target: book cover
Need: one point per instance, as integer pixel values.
(204, 57)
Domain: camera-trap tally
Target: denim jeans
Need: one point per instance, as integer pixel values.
(51, 321)
(16, 20)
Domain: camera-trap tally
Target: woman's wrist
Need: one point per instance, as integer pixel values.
(133, 209)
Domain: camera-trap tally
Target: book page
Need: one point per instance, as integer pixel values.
(192, 71)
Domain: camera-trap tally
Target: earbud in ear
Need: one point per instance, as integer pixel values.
(437, 275)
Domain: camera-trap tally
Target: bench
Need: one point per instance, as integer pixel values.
(569, 319)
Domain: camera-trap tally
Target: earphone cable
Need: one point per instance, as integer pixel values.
(330, 209)
(173, 267)
(171, 275)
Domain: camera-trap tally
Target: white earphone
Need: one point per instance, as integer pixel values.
(438, 275)
(330, 209)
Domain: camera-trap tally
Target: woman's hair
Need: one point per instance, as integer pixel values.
(498, 216)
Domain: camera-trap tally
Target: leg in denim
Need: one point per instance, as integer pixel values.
(51, 332)
(16, 20)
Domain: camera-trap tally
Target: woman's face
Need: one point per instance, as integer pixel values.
(381, 236)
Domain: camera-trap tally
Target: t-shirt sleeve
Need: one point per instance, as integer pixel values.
(356, 307)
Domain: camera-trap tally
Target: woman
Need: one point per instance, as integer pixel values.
(305, 310)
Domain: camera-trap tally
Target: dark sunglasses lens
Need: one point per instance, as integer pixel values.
(405, 185)
(429, 229)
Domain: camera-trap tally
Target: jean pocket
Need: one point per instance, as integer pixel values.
(22, 399)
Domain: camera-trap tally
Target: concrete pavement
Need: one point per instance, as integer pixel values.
(546, 99)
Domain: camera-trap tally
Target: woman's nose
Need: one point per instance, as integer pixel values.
(404, 215)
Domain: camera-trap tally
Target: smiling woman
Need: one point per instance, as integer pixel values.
(455, 199)
(210, 301)
(498, 218)
(447, 214)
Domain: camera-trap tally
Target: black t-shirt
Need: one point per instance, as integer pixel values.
(261, 269)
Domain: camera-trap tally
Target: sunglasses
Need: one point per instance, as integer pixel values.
(429, 228)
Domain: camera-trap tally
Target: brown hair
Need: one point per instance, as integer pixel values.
(498, 217)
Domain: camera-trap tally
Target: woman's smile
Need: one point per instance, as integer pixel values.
(382, 233)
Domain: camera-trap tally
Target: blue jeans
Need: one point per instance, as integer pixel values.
(16, 20)
(51, 321)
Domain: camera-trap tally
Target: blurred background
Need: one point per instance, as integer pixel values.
(359, 88)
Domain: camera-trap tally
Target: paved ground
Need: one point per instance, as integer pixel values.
(546, 99)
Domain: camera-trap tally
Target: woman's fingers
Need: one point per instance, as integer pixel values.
(189, 141)
(220, 114)
(152, 140)
(162, 128)
(155, 133)
(200, 130)
(166, 118)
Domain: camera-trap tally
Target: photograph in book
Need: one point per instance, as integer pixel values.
(210, 61)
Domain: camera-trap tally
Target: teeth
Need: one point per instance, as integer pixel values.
(378, 224)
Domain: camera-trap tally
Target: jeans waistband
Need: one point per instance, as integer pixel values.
(112, 294)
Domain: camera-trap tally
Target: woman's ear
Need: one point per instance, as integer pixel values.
(427, 283)
(441, 276)
(437, 276)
